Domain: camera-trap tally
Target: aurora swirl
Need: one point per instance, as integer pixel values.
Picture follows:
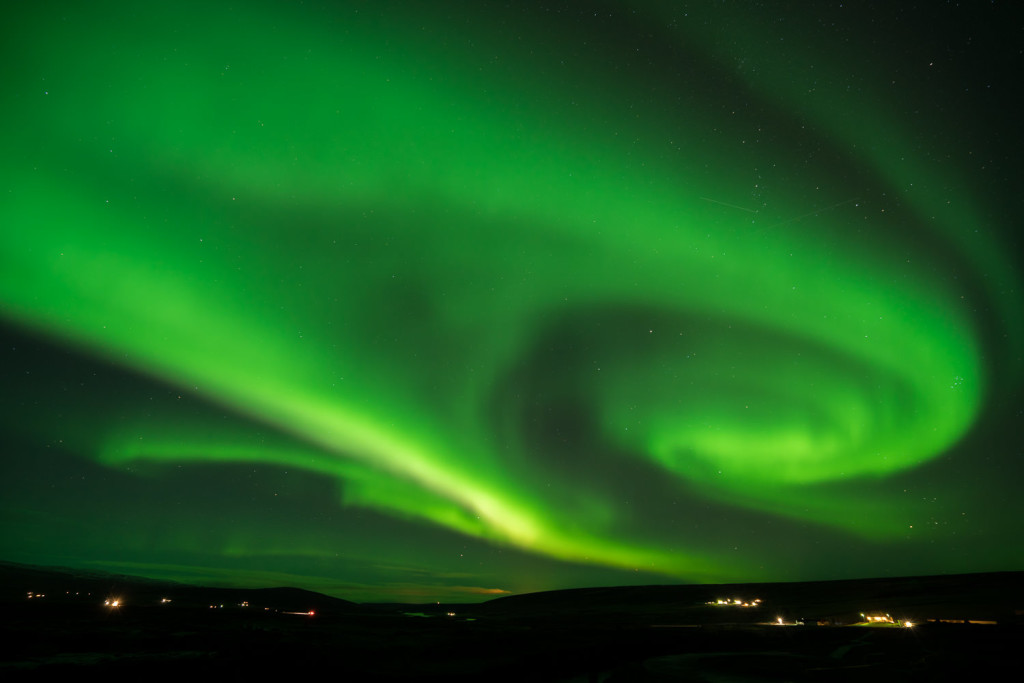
(504, 275)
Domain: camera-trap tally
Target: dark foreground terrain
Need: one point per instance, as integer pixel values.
(965, 627)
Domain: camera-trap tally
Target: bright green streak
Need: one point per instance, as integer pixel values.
(349, 233)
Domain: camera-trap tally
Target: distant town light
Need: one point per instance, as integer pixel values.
(736, 602)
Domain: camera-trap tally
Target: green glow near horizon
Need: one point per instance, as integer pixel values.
(361, 239)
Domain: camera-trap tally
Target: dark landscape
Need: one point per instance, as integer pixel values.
(613, 340)
(65, 622)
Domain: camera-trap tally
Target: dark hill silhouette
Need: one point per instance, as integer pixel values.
(997, 595)
(65, 584)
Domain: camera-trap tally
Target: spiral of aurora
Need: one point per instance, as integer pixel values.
(492, 272)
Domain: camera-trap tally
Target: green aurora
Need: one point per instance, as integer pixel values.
(395, 302)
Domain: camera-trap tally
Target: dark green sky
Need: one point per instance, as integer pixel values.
(447, 301)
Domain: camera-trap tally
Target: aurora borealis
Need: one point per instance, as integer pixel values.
(434, 301)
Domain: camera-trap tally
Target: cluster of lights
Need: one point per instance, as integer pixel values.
(736, 602)
(878, 618)
(33, 595)
(115, 603)
(885, 619)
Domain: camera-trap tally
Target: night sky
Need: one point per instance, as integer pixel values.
(439, 301)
